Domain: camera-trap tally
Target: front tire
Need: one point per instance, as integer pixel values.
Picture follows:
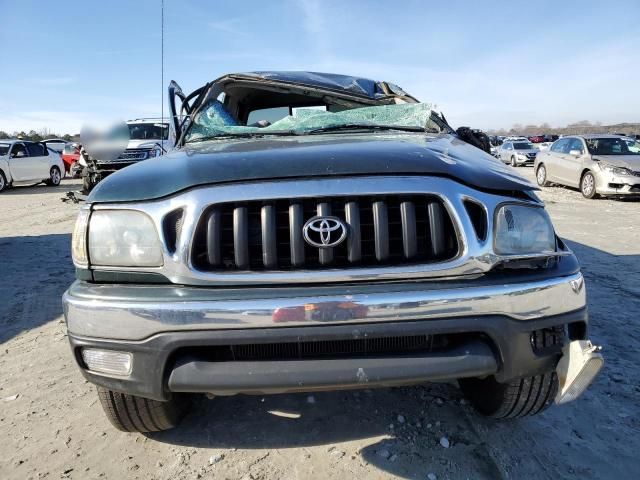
(513, 162)
(514, 399)
(3, 182)
(54, 177)
(588, 186)
(541, 176)
(522, 396)
(130, 413)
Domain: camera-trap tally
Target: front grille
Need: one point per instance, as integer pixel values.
(323, 349)
(134, 154)
(268, 235)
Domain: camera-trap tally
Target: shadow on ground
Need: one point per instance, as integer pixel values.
(570, 441)
(64, 187)
(34, 272)
(333, 419)
(545, 444)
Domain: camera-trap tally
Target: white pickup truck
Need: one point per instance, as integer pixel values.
(148, 138)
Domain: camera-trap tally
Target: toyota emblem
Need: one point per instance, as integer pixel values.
(324, 232)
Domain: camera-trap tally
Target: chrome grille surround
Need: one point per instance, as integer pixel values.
(475, 256)
(267, 234)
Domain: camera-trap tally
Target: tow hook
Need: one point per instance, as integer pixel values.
(580, 363)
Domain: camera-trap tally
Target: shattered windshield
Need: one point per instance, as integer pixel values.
(214, 120)
(148, 131)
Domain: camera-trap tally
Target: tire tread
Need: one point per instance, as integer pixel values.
(131, 413)
(520, 397)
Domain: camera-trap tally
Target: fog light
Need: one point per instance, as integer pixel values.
(107, 361)
(579, 365)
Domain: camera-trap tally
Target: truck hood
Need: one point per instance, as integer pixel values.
(325, 155)
(632, 162)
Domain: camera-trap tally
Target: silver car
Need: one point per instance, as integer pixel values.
(597, 164)
(517, 153)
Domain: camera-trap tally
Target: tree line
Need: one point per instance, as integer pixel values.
(577, 128)
(37, 136)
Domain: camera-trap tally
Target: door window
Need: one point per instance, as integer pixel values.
(559, 146)
(575, 144)
(18, 148)
(36, 150)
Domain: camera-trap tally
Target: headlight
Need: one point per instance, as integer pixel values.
(79, 239)
(154, 153)
(522, 155)
(522, 230)
(619, 171)
(123, 238)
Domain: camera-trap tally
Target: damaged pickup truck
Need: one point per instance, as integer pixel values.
(317, 232)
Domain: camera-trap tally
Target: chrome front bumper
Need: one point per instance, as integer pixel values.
(134, 313)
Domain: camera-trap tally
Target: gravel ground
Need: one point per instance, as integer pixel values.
(52, 426)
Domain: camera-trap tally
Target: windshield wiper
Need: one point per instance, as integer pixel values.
(362, 126)
(282, 133)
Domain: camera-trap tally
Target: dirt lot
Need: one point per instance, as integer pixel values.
(52, 426)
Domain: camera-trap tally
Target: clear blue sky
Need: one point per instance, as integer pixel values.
(485, 64)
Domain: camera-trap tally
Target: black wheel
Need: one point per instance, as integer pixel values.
(513, 162)
(520, 397)
(138, 414)
(588, 185)
(541, 175)
(3, 181)
(54, 177)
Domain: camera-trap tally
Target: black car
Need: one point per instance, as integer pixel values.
(313, 232)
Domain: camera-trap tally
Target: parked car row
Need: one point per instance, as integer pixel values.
(571, 160)
(607, 165)
(497, 140)
(23, 162)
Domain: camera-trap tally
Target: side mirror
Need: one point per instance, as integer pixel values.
(575, 153)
